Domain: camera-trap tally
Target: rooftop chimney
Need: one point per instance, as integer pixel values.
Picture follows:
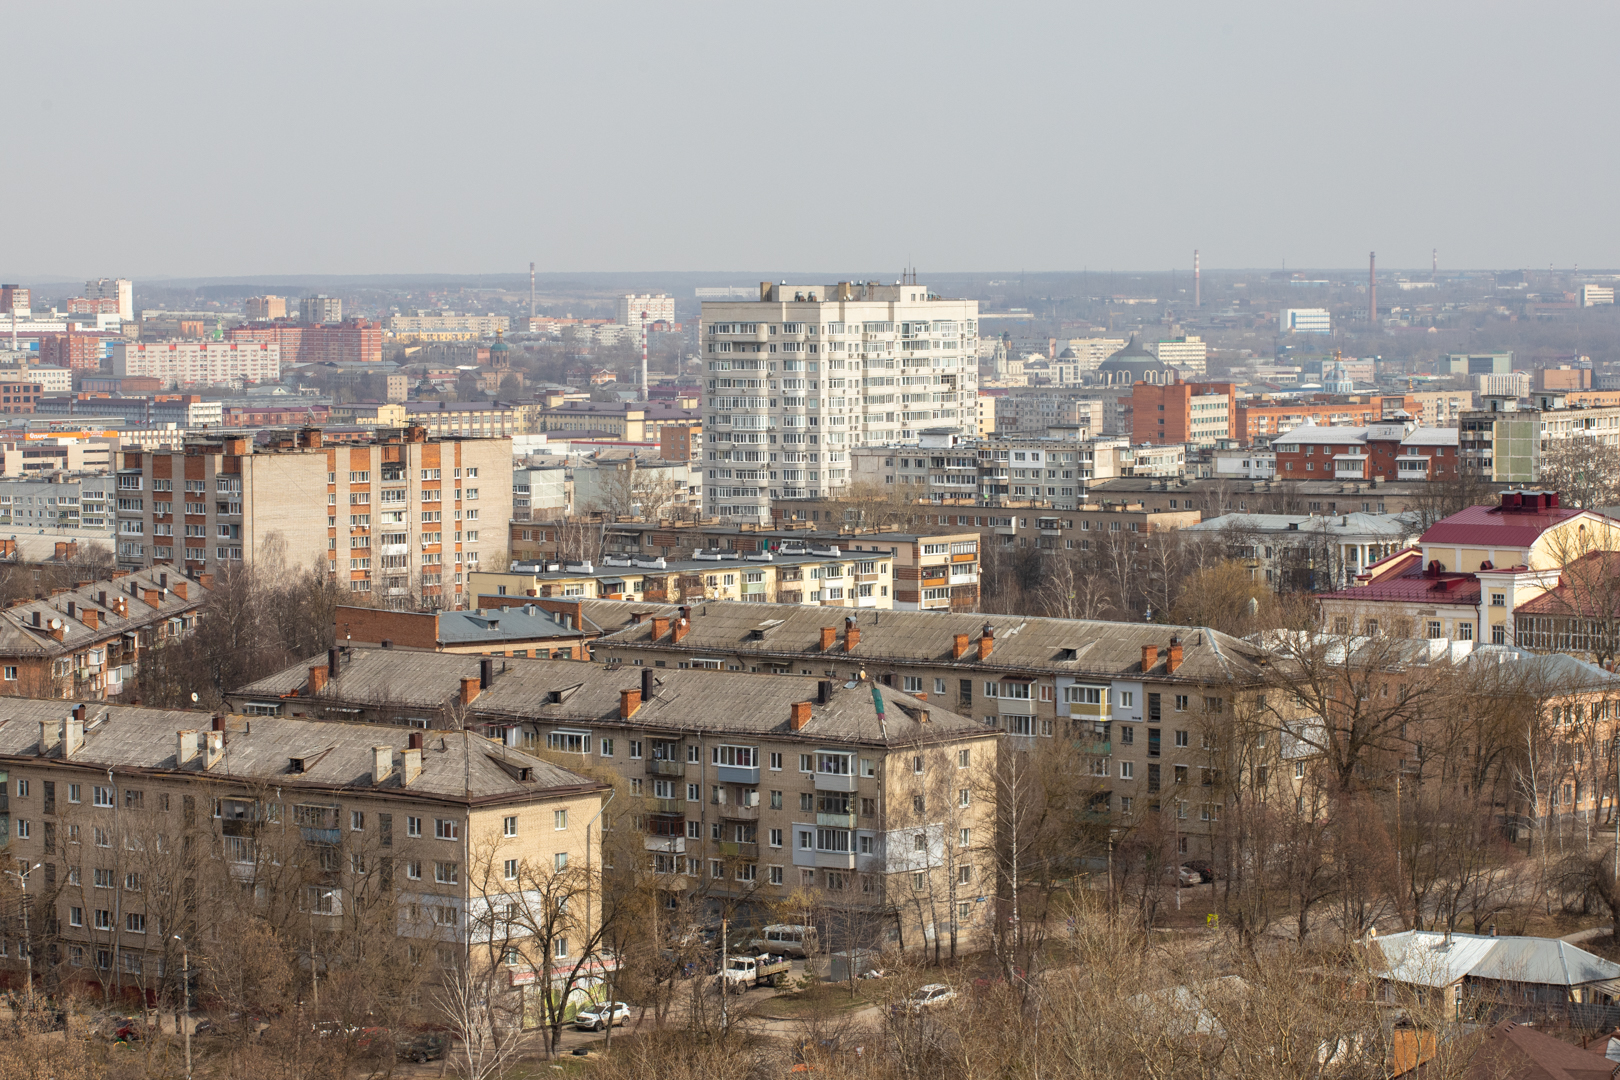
(214, 748)
(660, 627)
(411, 762)
(1175, 656)
(683, 623)
(852, 635)
(185, 747)
(646, 684)
(829, 634)
(959, 646)
(987, 641)
(800, 716)
(179, 587)
(332, 662)
(382, 763)
(1150, 656)
(152, 597)
(317, 679)
(629, 702)
(469, 690)
(486, 673)
(50, 736)
(73, 738)
(90, 617)
(823, 691)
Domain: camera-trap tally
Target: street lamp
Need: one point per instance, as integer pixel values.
(28, 945)
(185, 996)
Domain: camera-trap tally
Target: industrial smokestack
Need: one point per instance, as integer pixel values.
(1197, 299)
(1434, 268)
(531, 290)
(1372, 289)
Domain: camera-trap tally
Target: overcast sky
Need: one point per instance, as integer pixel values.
(215, 139)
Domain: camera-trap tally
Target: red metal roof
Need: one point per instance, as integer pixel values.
(1413, 585)
(1585, 587)
(1491, 526)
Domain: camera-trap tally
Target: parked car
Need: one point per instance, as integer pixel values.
(927, 997)
(600, 1016)
(1204, 870)
(785, 940)
(426, 1046)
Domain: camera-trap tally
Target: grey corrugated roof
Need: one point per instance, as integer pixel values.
(684, 700)
(1104, 649)
(1394, 525)
(456, 765)
(19, 637)
(1431, 958)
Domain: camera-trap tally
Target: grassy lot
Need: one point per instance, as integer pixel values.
(821, 998)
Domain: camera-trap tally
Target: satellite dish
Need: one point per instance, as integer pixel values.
(194, 697)
(56, 624)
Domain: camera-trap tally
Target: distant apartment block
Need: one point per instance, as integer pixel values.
(320, 309)
(1562, 378)
(1305, 321)
(1181, 412)
(1387, 451)
(1188, 353)
(185, 411)
(633, 310)
(51, 380)
(198, 363)
(445, 326)
(351, 342)
(264, 308)
(16, 300)
(19, 396)
(799, 377)
(73, 350)
(1034, 412)
(1476, 363)
(484, 419)
(1514, 384)
(120, 290)
(1593, 295)
(406, 517)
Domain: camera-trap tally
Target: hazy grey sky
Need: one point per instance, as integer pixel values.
(167, 139)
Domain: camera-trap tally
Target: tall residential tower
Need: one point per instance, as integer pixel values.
(794, 379)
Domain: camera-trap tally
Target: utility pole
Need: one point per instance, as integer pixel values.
(725, 983)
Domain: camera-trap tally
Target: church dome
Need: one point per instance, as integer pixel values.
(1134, 364)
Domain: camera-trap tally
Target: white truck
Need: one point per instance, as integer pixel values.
(741, 972)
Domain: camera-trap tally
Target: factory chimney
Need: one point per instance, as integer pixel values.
(1372, 289)
(1197, 300)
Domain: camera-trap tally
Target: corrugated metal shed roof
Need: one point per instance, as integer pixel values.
(1431, 958)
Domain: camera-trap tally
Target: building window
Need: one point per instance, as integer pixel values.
(446, 828)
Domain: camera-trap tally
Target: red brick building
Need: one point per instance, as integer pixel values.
(1182, 412)
(18, 397)
(1390, 451)
(305, 343)
(73, 350)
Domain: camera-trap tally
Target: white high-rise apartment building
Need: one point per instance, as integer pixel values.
(119, 289)
(1311, 320)
(796, 379)
(634, 309)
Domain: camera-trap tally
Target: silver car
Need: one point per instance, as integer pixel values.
(598, 1017)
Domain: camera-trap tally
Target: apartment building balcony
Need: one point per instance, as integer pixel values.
(740, 849)
(835, 860)
(735, 774)
(666, 845)
(675, 807)
(738, 812)
(659, 767)
(672, 882)
(835, 781)
(836, 821)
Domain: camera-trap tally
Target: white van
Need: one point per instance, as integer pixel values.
(785, 940)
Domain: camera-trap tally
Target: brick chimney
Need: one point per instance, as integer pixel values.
(411, 763)
(660, 627)
(829, 635)
(1150, 656)
(153, 597)
(682, 624)
(317, 679)
(987, 641)
(213, 748)
(469, 690)
(50, 736)
(800, 716)
(73, 734)
(205, 580)
(1175, 656)
(90, 617)
(852, 636)
(179, 587)
(629, 702)
(959, 646)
